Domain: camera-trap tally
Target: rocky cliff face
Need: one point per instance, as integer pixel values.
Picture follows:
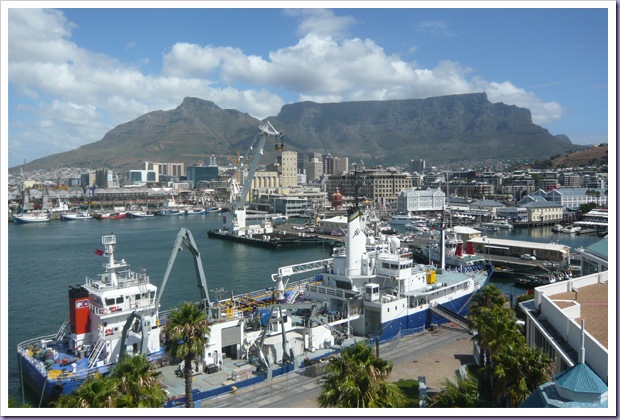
(449, 127)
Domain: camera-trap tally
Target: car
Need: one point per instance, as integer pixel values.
(528, 257)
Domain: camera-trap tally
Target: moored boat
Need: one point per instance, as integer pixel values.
(76, 215)
(137, 214)
(31, 217)
(92, 340)
(111, 216)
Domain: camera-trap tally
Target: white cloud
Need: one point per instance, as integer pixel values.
(321, 22)
(82, 94)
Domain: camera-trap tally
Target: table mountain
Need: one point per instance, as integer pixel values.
(460, 127)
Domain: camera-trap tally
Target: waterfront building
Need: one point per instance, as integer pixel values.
(594, 258)
(516, 214)
(572, 198)
(530, 198)
(376, 184)
(543, 211)
(557, 314)
(417, 200)
(556, 253)
(490, 206)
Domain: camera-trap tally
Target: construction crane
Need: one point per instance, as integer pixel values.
(185, 238)
(234, 219)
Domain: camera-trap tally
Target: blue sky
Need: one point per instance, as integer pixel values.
(76, 73)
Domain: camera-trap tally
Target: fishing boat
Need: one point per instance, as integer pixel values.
(193, 211)
(31, 217)
(111, 215)
(138, 214)
(101, 312)
(76, 215)
(28, 216)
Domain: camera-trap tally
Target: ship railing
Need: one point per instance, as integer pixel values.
(129, 279)
(62, 330)
(94, 355)
(329, 291)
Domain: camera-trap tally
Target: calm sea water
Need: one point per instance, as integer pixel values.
(44, 260)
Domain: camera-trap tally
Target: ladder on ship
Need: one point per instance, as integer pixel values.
(61, 332)
(452, 316)
(94, 355)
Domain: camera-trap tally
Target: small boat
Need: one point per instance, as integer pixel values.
(138, 214)
(500, 223)
(194, 211)
(213, 210)
(111, 216)
(403, 219)
(571, 229)
(170, 212)
(76, 215)
(32, 217)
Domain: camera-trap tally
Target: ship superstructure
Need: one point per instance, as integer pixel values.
(113, 313)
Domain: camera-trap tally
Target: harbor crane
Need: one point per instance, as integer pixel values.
(235, 218)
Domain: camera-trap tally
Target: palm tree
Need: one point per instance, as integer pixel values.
(137, 383)
(462, 393)
(518, 370)
(489, 296)
(187, 333)
(358, 378)
(96, 392)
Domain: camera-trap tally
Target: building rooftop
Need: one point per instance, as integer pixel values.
(513, 243)
(594, 308)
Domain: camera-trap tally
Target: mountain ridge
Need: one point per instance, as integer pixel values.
(465, 126)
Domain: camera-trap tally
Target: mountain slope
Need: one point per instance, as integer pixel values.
(449, 127)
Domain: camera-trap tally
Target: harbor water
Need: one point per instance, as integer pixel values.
(45, 259)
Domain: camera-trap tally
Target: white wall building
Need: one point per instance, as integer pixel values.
(415, 200)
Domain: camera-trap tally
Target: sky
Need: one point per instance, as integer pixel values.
(77, 70)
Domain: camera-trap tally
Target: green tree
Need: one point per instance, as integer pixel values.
(489, 296)
(187, 333)
(462, 393)
(132, 383)
(137, 383)
(96, 392)
(357, 378)
(518, 370)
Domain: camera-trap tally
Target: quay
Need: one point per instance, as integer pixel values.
(436, 355)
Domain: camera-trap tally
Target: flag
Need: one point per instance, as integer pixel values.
(99, 252)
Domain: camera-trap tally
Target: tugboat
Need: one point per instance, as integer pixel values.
(101, 312)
